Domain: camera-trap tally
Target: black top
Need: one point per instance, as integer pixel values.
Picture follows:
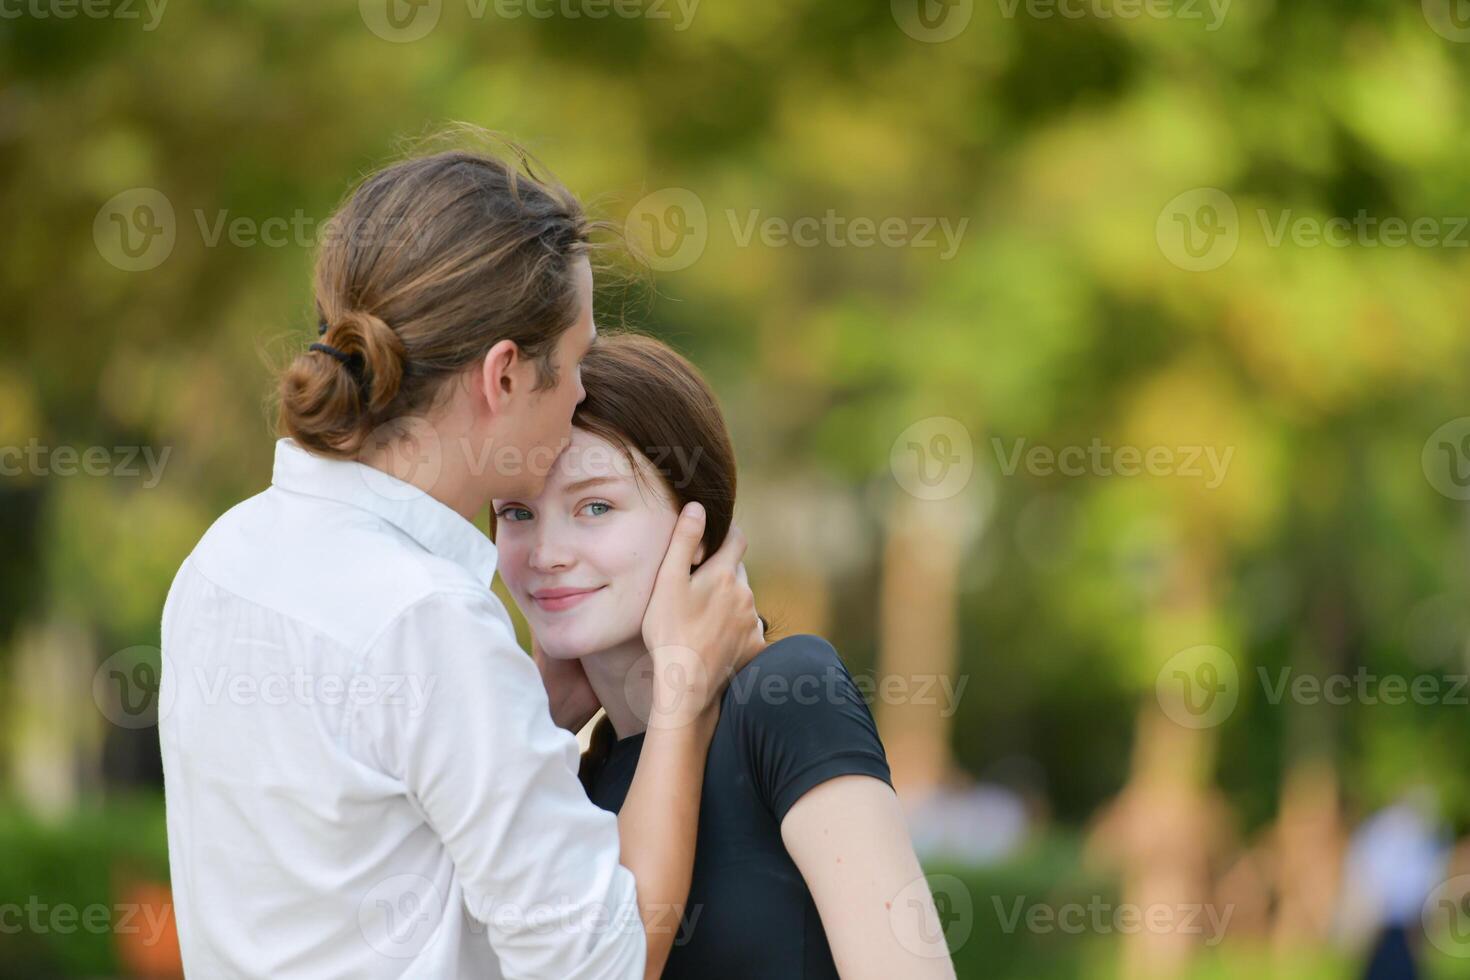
(793, 718)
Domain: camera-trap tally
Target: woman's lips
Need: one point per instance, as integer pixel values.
(555, 600)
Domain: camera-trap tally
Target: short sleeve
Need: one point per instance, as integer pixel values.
(802, 721)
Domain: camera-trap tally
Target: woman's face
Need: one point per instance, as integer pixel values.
(581, 557)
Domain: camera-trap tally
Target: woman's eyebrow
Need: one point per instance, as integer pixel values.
(591, 481)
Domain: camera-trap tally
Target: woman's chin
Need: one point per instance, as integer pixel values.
(565, 647)
(570, 645)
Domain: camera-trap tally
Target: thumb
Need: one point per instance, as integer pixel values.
(687, 534)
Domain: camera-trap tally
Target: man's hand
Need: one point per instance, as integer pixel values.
(573, 702)
(699, 628)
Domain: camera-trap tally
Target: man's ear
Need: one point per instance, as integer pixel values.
(500, 374)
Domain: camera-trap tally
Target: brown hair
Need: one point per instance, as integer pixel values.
(643, 395)
(428, 264)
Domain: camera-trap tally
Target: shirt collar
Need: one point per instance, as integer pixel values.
(435, 525)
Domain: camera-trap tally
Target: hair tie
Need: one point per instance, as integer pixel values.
(352, 361)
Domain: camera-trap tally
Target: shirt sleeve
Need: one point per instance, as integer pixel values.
(802, 721)
(496, 780)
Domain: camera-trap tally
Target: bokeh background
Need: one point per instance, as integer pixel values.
(1097, 370)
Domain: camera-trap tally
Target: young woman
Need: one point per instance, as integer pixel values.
(803, 865)
(362, 776)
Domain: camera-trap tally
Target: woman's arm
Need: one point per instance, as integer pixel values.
(699, 629)
(848, 838)
(656, 826)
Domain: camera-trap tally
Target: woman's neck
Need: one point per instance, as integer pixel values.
(622, 678)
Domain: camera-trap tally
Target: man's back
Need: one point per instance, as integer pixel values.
(299, 722)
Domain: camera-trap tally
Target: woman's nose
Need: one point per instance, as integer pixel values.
(546, 557)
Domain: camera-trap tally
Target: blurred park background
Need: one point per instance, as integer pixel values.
(1097, 371)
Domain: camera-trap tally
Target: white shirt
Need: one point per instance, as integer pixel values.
(361, 773)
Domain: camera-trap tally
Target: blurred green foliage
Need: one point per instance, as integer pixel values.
(1063, 318)
(63, 875)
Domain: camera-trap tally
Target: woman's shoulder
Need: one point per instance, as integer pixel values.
(794, 656)
(793, 675)
(800, 719)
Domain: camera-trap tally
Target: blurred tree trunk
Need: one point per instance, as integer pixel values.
(804, 532)
(55, 726)
(1168, 823)
(1309, 852)
(1310, 837)
(923, 550)
(795, 600)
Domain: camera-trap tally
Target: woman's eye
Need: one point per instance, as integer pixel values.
(510, 512)
(593, 512)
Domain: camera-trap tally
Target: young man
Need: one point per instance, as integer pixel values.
(362, 773)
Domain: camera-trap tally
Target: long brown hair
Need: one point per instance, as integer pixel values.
(428, 264)
(645, 397)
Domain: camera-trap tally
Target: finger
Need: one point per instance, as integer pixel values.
(741, 576)
(730, 553)
(687, 534)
